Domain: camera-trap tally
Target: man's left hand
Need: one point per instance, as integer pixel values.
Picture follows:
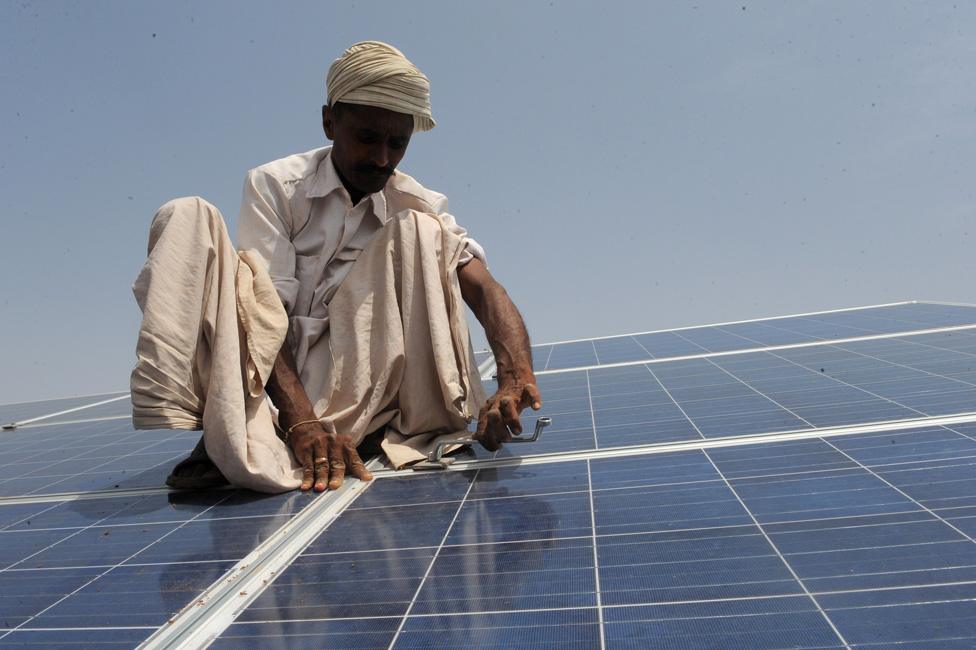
(499, 418)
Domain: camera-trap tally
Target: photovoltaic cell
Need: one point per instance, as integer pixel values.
(740, 336)
(81, 457)
(120, 409)
(756, 392)
(863, 539)
(811, 543)
(114, 569)
(27, 410)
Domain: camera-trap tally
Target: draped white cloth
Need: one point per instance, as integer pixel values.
(397, 352)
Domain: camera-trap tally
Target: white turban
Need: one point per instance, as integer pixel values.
(376, 74)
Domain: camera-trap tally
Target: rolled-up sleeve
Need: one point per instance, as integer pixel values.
(264, 228)
(472, 248)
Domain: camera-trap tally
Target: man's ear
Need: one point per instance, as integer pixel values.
(328, 121)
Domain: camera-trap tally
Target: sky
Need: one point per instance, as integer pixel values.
(627, 166)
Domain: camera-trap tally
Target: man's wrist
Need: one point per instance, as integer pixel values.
(288, 420)
(515, 376)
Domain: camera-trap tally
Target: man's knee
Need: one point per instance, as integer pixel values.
(191, 212)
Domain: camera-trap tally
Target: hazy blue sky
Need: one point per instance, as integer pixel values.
(627, 166)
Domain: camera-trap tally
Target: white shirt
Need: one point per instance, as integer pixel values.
(299, 218)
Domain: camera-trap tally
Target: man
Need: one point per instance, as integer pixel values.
(343, 305)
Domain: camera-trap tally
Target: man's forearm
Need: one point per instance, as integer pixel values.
(499, 418)
(286, 390)
(507, 336)
(503, 324)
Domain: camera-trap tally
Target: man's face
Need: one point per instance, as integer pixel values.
(367, 144)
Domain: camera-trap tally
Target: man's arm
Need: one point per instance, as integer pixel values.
(310, 442)
(509, 342)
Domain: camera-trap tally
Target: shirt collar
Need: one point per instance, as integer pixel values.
(326, 181)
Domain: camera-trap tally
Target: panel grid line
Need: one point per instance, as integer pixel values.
(77, 531)
(900, 303)
(936, 347)
(778, 553)
(840, 346)
(572, 608)
(589, 396)
(17, 424)
(675, 402)
(899, 490)
(115, 566)
(901, 365)
(718, 337)
(762, 394)
(841, 381)
(549, 357)
(764, 348)
(596, 558)
(430, 565)
(47, 451)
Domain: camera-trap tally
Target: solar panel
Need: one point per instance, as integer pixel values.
(802, 482)
(120, 409)
(827, 385)
(29, 410)
(793, 330)
(82, 457)
(813, 543)
(116, 568)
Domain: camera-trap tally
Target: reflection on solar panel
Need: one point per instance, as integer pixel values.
(795, 482)
(814, 543)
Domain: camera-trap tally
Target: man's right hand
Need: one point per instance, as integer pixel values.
(325, 457)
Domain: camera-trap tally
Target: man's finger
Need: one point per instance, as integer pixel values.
(337, 463)
(510, 415)
(321, 463)
(304, 456)
(535, 397)
(356, 465)
(490, 437)
(482, 420)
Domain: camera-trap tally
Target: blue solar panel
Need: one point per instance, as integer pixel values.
(740, 336)
(119, 409)
(86, 569)
(813, 542)
(756, 392)
(28, 410)
(81, 457)
(809, 543)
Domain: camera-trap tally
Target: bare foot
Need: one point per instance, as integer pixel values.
(196, 472)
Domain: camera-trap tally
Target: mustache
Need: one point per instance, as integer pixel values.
(373, 169)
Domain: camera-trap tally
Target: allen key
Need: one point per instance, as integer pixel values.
(436, 459)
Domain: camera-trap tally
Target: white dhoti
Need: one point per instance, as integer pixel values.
(396, 351)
